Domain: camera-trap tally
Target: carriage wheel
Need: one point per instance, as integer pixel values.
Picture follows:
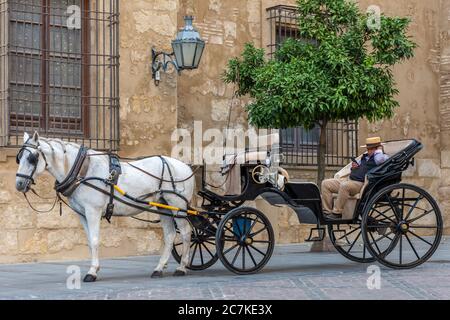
(202, 254)
(402, 226)
(348, 241)
(245, 240)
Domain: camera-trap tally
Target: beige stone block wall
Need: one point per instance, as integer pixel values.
(27, 236)
(149, 114)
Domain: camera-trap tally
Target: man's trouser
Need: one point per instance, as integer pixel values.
(344, 189)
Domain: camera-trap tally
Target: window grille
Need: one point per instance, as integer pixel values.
(59, 71)
(300, 146)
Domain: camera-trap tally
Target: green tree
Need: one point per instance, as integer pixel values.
(340, 68)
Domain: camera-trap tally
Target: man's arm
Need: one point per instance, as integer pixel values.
(380, 157)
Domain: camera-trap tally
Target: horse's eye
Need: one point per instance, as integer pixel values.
(32, 159)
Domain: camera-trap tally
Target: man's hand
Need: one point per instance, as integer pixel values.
(355, 165)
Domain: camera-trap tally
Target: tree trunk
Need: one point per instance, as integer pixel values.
(325, 245)
(321, 154)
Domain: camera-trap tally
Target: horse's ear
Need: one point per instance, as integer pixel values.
(25, 137)
(35, 136)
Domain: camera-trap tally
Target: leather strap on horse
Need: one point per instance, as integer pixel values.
(79, 168)
(114, 172)
(161, 179)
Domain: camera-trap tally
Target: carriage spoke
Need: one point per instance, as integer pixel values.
(359, 234)
(385, 236)
(243, 258)
(423, 226)
(400, 252)
(417, 236)
(235, 235)
(230, 248)
(251, 256)
(382, 214)
(420, 216)
(391, 247)
(394, 208)
(378, 225)
(258, 232)
(212, 243)
(347, 234)
(261, 241)
(403, 202)
(385, 221)
(251, 227)
(209, 251)
(413, 206)
(374, 242)
(410, 243)
(201, 253)
(259, 251)
(236, 255)
(193, 254)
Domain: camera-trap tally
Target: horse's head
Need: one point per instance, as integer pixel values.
(31, 161)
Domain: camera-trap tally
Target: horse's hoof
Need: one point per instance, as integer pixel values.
(157, 274)
(89, 278)
(179, 273)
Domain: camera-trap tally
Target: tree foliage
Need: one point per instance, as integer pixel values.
(338, 69)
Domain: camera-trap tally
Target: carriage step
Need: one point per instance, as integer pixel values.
(320, 235)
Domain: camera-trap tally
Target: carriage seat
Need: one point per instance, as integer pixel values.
(391, 148)
(233, 161)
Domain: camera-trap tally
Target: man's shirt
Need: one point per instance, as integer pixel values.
(379, 157)
(367, 163)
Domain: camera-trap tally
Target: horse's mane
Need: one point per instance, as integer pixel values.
(62, 143)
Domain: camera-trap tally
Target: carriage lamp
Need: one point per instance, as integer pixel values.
(187, 52)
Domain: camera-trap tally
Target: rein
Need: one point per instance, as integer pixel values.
(42, 211)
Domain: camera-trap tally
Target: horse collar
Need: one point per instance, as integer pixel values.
(79, 168)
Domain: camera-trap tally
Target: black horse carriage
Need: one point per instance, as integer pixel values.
(394, 223)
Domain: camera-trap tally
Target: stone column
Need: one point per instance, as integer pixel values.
(444, 108)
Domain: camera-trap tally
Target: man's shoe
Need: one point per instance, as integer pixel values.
(332, 215)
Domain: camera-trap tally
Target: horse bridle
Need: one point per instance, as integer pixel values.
(32, 158)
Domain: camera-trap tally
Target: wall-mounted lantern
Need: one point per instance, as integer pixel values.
(187, 52)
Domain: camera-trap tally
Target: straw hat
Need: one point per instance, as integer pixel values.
(372, 142)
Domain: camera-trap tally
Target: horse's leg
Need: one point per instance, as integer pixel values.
(169, 237)
(185, 232)
(93, 216)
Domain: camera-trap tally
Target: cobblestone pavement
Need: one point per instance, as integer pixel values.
(292, 273)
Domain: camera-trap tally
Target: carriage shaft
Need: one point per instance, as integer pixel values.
(157, 204)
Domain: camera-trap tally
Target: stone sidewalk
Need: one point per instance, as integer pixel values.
(292, 273)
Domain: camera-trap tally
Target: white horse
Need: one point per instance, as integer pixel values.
(58, 157)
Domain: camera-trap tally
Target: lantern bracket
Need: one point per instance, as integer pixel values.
(162, 60)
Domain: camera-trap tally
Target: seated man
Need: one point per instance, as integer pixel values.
(372, 158)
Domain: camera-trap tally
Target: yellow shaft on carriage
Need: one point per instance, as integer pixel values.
(164, 206)
(159, 205)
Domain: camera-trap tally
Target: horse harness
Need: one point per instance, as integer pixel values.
(77, 176)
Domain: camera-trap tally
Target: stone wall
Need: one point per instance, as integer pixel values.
(149, 114)
(423, 97)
